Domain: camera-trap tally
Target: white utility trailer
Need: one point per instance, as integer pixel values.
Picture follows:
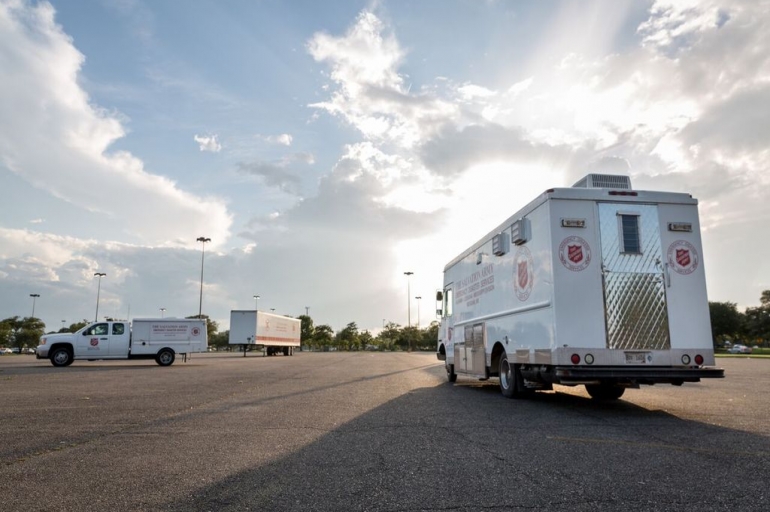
(597, 284)
(257, 329)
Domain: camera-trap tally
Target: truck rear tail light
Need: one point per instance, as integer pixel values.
(575, 359)
(589, 359)
(685, 359)
(699, 359)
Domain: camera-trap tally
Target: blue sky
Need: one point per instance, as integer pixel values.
(326, 148)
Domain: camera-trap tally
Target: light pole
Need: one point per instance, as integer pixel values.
(202, 240)
(409, 304)
(63, 322)
(307, 310)
(34, 297)
(272, 310)
(256, 302)
(98, 292)
(162, 311)
(418, 310)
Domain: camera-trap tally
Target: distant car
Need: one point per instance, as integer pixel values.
(4, 351)
(739, 349)
(16, 350)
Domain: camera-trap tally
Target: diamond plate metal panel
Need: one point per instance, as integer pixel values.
(634, 289)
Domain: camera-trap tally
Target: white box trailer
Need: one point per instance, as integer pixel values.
(144, 338)
(597, 284)
(275, 333)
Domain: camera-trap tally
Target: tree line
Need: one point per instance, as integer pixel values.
(727, 323)
(751, 326)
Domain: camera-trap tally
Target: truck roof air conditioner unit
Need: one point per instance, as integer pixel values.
(604, 181)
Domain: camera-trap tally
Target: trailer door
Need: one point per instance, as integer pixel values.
(633, 277)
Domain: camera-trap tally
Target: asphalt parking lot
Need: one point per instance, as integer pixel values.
(370, 431)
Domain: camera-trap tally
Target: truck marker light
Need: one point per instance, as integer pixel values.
(685, 359)
(699, 359)
(575, 359)
(622, 193)
(589, 359)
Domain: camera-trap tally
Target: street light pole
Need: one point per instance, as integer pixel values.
(256, 302)
(162, 311)
(307, 310)
(409, 304)
(34, 297)
(418, 311)
(98, 292)
(202, 240)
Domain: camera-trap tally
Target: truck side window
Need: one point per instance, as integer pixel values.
(118, 329)
(448, 302)
(99, 329)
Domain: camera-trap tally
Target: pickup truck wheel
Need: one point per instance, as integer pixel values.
(61, 357)
(165, 357)
(605, 391)
(450, 373)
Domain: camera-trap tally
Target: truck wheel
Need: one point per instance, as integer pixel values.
(165, 357)
(61, 357)
(450, 373)
(511, 381)
(605, 391)
(286, 351)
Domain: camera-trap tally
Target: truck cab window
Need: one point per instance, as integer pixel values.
(118, 329)
(96, 330)
(448, 302)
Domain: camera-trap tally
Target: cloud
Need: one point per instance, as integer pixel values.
(50, 110)
(284, 139)
(208, 143)
(274, 175)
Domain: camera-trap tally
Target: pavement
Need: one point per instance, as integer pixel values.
(369, 431)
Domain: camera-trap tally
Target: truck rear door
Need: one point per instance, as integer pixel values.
(633, 277)
(119, 339)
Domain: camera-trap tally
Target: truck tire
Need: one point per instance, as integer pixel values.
(605, 391)
(286, 351)
(165, 357)
(61, 356)
(450, 373)
(511, 381)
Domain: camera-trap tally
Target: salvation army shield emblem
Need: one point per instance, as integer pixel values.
(683, 257)
(575, 253)
(523, 274)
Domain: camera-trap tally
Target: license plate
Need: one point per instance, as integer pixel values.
(636, 357)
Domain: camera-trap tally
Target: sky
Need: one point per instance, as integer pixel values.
(326, 148)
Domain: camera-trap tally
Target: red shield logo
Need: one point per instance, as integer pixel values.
(575, 253)
(523, 274)
(683, 257)
(94, 342)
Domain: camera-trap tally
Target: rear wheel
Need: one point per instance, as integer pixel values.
(61, 357)
(511, 381)
(165, 357)
(450, 373)
(605, 391)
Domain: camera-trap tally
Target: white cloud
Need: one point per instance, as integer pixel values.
(50, 110)
(208, 143)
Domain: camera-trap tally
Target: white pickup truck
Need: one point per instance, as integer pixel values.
(144, 338)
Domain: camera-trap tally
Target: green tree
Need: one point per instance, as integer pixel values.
(388, 337)
(74, 327)
(348, 338)
(323, 337)
(220, 340)
(211, 325)
(429, 337)
(366, 339)
(22, 332)
(726, 321)
(757, 320)
(306, 330)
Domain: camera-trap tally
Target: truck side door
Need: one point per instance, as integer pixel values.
(94, 342)
(120, 337)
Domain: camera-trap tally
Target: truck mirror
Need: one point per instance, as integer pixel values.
(439, 312)
(439, 296)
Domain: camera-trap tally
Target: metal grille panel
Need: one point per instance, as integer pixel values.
(634, 288)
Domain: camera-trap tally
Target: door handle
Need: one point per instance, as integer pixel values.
(103, 339)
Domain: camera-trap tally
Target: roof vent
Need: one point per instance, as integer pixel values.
(604, 181)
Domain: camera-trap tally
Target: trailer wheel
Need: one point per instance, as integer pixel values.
(605, 391)
(165, 357)
(61, 356)
(511, 381)
(286, 351)
(450, 373)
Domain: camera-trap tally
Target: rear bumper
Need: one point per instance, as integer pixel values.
(634, 375)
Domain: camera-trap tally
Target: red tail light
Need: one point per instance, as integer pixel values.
(699, 359)
(575, 359)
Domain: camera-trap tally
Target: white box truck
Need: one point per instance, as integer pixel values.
(599, 285)
(144, 338)
(275, 333)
